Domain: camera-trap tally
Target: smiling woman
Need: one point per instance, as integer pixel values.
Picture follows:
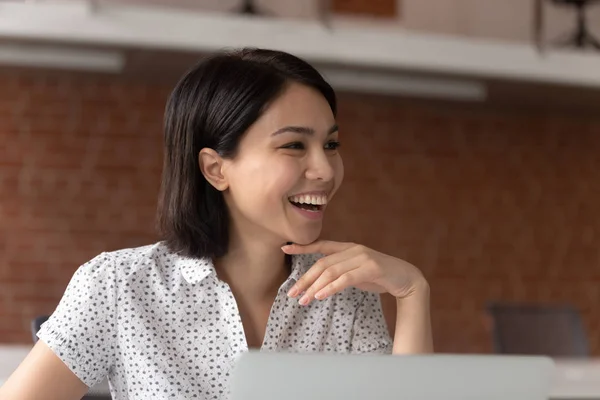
(251, 163)
(299, 158)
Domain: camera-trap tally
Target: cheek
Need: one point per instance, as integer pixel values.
(265, 185)
(279, 181)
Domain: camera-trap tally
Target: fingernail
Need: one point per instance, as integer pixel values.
(320, 295)
(304, 300)
(293, 292)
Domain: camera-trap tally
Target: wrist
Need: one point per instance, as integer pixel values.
(420, 291)
(413, 323)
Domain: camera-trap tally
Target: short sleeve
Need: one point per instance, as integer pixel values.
(82, 329)
(370, 332)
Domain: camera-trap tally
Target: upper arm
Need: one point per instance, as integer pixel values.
(42, 375)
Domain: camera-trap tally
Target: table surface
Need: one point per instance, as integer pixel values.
(574, 378)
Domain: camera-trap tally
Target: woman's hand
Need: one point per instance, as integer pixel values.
(349, 264)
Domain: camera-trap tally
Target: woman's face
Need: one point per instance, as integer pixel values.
(286, 170)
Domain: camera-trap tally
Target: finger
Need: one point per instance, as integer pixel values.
(317, 269)
(329, 275)
(326, 247)
(350, 278)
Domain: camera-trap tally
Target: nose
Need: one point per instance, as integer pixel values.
(320, 167)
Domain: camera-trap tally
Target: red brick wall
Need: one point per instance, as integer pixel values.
(79, 164)
(491, 204)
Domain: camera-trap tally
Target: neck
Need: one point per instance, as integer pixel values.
(253, 266)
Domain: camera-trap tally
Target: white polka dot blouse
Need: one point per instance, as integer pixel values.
(162, 326)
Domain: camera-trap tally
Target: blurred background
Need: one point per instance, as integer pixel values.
(470, 130)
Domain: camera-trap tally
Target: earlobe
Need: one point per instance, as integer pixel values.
(211, 166)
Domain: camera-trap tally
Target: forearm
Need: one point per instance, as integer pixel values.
(413, 323)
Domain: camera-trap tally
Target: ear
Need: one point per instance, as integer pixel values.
(211, 166)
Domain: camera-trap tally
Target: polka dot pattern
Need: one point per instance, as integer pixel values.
(162, 326)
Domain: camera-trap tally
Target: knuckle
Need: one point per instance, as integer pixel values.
(362, 249)
(329, 274)
(345, 279)
(374, 269)
(331, 288)
(376, 272)
(319, 265)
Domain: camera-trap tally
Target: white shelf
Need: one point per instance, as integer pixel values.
(353, 45)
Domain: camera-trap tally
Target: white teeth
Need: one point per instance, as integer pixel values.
(318, 200)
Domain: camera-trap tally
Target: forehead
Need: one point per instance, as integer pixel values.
(298, 105)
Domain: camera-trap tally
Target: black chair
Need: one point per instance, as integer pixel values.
(582, 37)
(36, 324)
(555, 331)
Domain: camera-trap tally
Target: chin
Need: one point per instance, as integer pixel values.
(304, 238)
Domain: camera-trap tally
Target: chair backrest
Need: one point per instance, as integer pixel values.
(555, 331)
(36, 323)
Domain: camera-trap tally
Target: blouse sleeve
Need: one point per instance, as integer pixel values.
(370, 332)
(82, 329)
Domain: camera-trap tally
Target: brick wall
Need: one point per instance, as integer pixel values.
(80, 159)
(491, 204)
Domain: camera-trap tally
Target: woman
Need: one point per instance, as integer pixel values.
(251, 164)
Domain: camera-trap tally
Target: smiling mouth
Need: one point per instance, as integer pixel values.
(314, 203)
(308, 207)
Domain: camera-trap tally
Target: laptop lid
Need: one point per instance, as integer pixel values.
(275, 376)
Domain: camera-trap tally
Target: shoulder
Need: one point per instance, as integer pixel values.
(121, 265)
(82, 331)
(130, 259)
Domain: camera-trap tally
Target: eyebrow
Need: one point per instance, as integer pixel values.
(304, 130)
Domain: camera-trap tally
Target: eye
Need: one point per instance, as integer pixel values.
(294, 146)
(333, 145)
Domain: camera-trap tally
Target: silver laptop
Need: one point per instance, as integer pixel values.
(284, 376)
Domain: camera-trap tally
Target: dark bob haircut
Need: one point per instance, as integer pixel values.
(212, 106)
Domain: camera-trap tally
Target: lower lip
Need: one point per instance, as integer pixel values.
(314, 215)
